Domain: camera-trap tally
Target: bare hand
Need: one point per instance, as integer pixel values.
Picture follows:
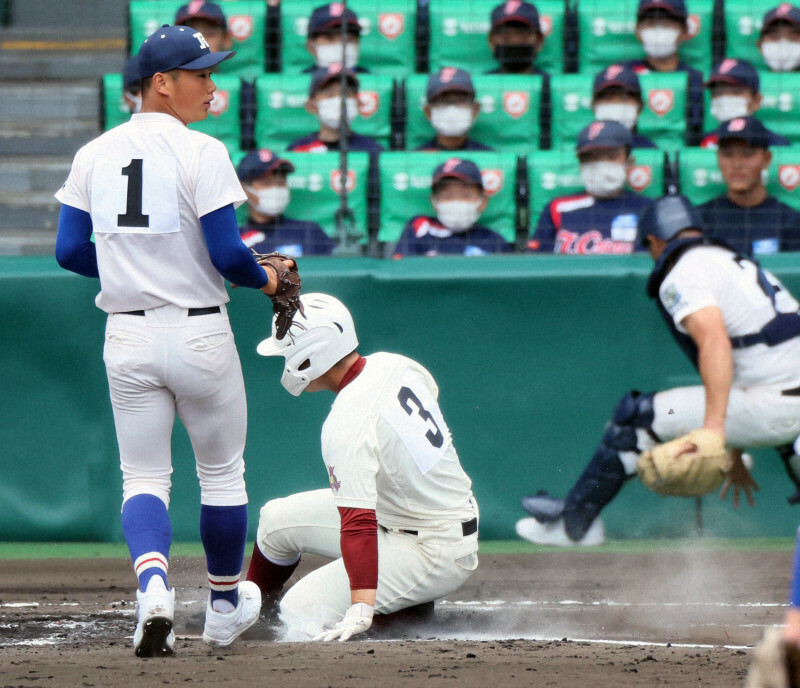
(740, 479)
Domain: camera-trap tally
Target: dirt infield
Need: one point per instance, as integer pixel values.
(566, 618)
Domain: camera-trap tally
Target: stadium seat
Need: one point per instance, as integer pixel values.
(405, 189)
(315, 190)
(662, 118)
(780, 106)
(606, 34)
(556, 173)
(281, 117)
(743, 27)
(246, 23)
(509, 118)
(114, 111)
(388, 31)
(459, 30)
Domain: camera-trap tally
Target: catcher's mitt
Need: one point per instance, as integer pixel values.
(286, 299)
(775, 663)
(693, 473)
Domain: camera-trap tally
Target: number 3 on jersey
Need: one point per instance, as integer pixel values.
(418, 422)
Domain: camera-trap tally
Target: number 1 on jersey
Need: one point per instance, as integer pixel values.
(133, 216)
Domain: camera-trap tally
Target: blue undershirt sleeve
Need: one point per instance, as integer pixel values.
(75, 250)
(794, 592)
(229, 255)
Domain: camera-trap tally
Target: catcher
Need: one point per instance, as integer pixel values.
(741, 329)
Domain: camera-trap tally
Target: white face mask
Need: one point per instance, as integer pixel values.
(724, 108)
(137, 102)
(331, 53)
(603, 179)
(624, 113)
(451, 120)
(271, 201)
(782, 55)
(330, 110)
(458, 216)
(660, 41)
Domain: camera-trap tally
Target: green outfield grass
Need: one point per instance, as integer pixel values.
(89, 550)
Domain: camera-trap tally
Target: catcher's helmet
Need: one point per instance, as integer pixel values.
(666, 217)
(318, 339)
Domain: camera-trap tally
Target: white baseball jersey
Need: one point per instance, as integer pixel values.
(710, 276)
(145, 184)
(387, 447)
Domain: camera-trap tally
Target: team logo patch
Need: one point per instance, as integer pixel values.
(241, 27)
(671, 299)
(335, 484)
(661, 100)
(545, 24)
(613, 72)
(336, 9)
(516, 103)
(789, 176)
(368, 103)
(336, 180)
(693, 24)
(220, 103)
(639, 177)
(391, 24)
(492, 181)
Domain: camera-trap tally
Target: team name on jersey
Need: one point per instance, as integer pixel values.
(592, 242)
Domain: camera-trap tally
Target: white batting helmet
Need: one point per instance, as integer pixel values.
(317, 340)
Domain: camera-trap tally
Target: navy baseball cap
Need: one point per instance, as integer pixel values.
(201, 9)
(747, 129)
(604, 134)
(458, 168)
(257, 163)
(131, 81)
(331, 16)
(736, 72)
(322, 76)
(516, 11)
(785, 12)
(666, 217)
(449, 79)
(617, 75)
(677, 8)
(176, 47)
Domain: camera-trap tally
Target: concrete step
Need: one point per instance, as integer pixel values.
(54, 137)
(49, 100)
(66, 14)
(27, 242)
(27, 174)
(35, 209)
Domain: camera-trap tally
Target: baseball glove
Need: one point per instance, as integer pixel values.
(286, 299)
(775, 663)
(693, 473)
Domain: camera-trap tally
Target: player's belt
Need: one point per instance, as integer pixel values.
(210, 310)
(791, 392)
(467, 528)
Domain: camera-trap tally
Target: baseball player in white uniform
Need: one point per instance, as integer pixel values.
(159, 201)
(741, 328)
(399, 519)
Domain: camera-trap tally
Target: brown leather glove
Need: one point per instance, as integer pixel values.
(286, 299)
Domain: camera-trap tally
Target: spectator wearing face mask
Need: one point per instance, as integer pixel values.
(209, 19)
(325, 103)
(451, 109)
(617, 97)
(324, 40)
(264, 178)
(605, 217)
(661, 27)
(735, 92)
(458, 198)
(746, 217)
(779, 41)
(131, 86)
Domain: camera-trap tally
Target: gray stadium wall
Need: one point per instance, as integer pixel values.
(531, 354)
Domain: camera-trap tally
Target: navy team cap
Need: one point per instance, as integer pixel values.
(604, 134)
(201, 9)
(330, 16)
(322, 76)
(617, 75)
(177, 47)
(449, 79)
(747, 129)
(677, 8)
(784, 12)
(735, 72)
(130, 75)
(516, 11)
(257, 163)
(458, 168)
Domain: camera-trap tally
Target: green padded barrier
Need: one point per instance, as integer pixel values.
(387, 35)
(509, 118)
(246, 23)
(606, 34)
(459, 30)
(115, 111)
(556, 173)
(405, 189)
(315, 185)
(281, 116)
(662, 118)
(743, 27)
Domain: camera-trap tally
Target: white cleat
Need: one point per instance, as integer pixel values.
(555, 534)
(222, 628)
(155, 611)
